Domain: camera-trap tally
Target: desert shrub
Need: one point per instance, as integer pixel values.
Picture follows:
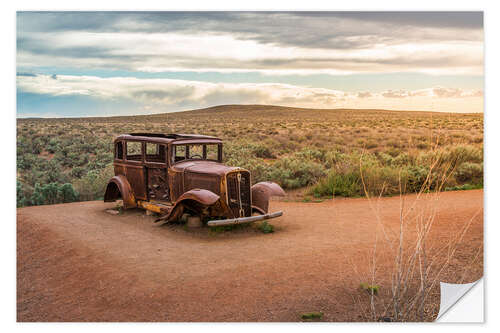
(77, 172)
(462, 154)
(21, 199)
(36, 146)
(93, 185)
(470, 172)
(401, 159)
(47, 172)
(353, 180)
(52, 146)
(344, 185)
(333, 157)
(26, 161)
(310, 154)
(422, 145)
(452, 157)
(53, 193)
(309, 316)
(379, 179)
(415, 178)
(262, 151)
(371, 289)
(292, 172)
(385, 159)
(66, 193)
(266, 227)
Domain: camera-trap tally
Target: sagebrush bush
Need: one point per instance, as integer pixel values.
(292, 172)
(335, 184)
(53, 193)
(93, 185)
(469, 172)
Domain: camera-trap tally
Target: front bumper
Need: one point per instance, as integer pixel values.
(239, 220)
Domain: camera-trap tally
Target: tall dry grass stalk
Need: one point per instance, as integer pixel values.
(417, 265)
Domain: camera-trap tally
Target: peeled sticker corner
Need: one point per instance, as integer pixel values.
(454, 307)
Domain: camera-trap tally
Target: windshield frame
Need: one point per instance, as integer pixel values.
(173, 153)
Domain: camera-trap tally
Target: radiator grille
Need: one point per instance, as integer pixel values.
(238, 193)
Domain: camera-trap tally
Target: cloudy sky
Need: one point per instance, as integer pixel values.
(115, 63)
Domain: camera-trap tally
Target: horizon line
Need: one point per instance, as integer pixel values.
(256, 105)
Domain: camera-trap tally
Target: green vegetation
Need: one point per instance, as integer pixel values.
(47, 194)
(266, 228)
(319, 152)
(224, 228)
(371, 289)
(350, 175)
(308, 316)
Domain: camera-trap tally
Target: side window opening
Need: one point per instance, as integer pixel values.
(119, 150)
(155, 152)
(179, 153)
(134, 151)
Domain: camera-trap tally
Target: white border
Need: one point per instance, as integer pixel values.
(7, 170)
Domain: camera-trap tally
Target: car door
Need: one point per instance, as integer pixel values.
(134, 168)
(156, 172)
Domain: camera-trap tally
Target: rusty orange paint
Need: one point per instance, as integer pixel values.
(169, 174)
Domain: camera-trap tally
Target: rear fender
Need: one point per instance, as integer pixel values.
(262, 192)
(194, 200)
(119, 187)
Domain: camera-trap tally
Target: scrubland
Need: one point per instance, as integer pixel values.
(311, 153)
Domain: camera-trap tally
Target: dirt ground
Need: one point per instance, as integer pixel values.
(75, 262)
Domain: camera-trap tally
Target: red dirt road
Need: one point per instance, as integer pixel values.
(75, 262)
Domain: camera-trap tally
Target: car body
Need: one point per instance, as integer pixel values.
(176, 174)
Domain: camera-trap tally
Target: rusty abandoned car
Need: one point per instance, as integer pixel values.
(177, 174)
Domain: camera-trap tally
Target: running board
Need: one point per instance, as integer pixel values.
(239, 220)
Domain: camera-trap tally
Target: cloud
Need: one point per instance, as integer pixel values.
(364, 94)
(276, 42)
(170, 95)
(455, 93)
(396, 94)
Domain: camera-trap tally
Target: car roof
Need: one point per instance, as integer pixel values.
(167, 138)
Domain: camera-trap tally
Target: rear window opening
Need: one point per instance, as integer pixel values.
(119, 150)
(155, 152)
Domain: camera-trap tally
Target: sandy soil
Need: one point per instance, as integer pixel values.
(75, 262)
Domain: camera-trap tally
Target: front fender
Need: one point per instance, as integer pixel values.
(117, 187)
(262, 192)
(191, 199)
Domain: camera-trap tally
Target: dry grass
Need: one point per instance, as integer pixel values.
(417, 267)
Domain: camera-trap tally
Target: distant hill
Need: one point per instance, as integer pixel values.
(246, 109)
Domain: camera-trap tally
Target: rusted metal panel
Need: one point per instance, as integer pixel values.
(176, 184)
(158, 184)
(204, 197)
(119, 187)
(262, 192)
(198, 200)
(136, 178)
(205, 181)
(154, 207)
(119, 168)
